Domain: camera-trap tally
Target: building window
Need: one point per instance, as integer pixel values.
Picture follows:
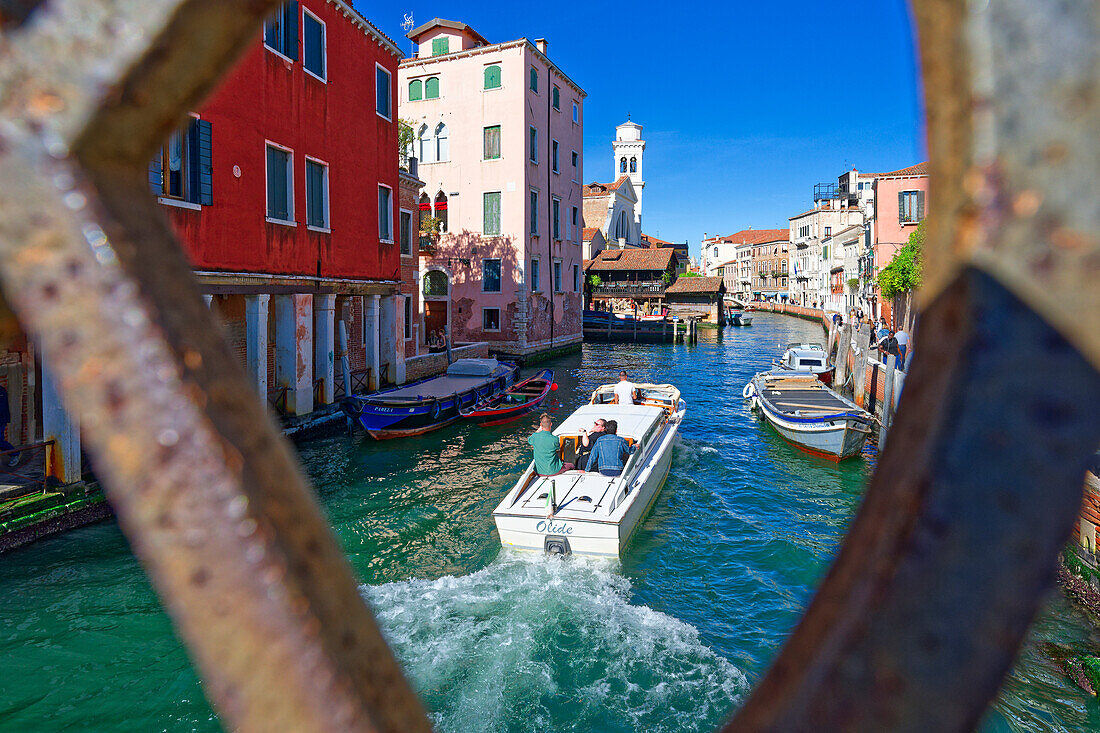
(557, 276)
(385, 214)
(534, 79)
(633, 165)
(441, 210)
(491, 213)
(406, 232)
(554, 155)
(416, 90)
(534, 212)
(576, 278)
(431, 88)
(441, 45)
(408, 318)
(555, 98)
(426, 145)
(575, 221)
(556, 206)
(492, 143)
(828, 231)
(281, 31)
(280, 184)
(576, 160)
(436, 284)
(534, 152)
(622, 164)
(910, 206)
(313, 44)
(183, 170)
(442, 146)
(316, 194)
(576, 113)
(425, 206)
(492, 77)
(490, 275)
(534, 274)
(382, 93)
(490, 319)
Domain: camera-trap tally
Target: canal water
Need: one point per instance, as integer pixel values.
(670, 639)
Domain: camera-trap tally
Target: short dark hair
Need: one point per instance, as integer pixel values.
(611, 426)
(622, 373)
(545, 417)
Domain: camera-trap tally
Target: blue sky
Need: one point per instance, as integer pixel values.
(745, 105)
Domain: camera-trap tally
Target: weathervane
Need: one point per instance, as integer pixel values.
(408, 26)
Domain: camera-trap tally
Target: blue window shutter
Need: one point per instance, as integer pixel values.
(920, 205)
(156, 174)
(290, 23)
(191, 140)
(205, 162)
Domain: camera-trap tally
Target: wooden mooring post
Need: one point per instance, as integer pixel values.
(859, 367)
(843, 346)
(888, 399)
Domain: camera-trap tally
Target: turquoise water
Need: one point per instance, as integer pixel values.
(669, 639)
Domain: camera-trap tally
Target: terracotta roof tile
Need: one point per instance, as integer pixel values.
(601, 189)
(755, 236)
(696, 285)
(633, 259)
(588, 233)
(920, 169)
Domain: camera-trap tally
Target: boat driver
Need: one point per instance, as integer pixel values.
(610, 451)
(625, 391)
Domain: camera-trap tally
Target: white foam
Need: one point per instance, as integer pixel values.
(535, 643)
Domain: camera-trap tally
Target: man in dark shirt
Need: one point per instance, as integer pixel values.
(610, 452)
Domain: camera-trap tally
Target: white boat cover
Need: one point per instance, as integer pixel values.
(473, 368)
(633, 420)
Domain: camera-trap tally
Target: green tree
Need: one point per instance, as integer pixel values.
(405, 137)
(691, 274)
(904, 274)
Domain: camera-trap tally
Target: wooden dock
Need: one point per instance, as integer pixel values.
(598, 327)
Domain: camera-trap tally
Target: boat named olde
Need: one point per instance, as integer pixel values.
(808, 414)
(587, 512)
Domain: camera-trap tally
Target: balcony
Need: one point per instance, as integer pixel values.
(623, 289)
(833, 191)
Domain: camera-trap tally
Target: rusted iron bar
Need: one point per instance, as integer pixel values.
(206, 490)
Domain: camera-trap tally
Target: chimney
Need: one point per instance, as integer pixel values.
(540, 44)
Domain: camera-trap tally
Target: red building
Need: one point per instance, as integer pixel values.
(284, 190)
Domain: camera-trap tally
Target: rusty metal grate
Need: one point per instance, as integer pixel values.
(942, 569)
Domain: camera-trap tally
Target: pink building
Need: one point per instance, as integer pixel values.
(900, 198)
(498, 131)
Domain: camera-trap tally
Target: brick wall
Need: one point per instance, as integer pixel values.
(427, 365)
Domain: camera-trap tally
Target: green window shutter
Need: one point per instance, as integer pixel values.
(440, 46)
(534, 212)
(901, 206)
(534, 80)
(416, 90)
(492, 77)
(492, 143)
(202, 163)
(156, 173)
(556, 97)
(290, 33)
(920, 205)
(431, 88)
(491, 213)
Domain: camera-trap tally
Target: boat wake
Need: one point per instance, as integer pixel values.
(537, 643)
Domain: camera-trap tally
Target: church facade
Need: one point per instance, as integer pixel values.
(613, 211)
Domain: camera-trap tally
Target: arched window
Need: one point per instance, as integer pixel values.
(622, 165)
(416, 90)
(492, 77)
(424, 140)
(425, 206)
(441, 210)
(633, 165)
(436, 284)
(431, 88)
(442, 148)
(534, 79)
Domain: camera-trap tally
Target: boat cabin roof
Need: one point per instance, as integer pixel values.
(634, 420)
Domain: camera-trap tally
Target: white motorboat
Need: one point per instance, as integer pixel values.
(808, 358)
(809, 415)
(588, 513)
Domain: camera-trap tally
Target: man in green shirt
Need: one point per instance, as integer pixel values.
(544, 444)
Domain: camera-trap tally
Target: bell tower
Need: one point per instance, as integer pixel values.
(629, 148)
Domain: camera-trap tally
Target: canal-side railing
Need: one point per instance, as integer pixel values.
(23, 470)
(953, 546)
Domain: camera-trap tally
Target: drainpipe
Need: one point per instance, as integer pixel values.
(549, 191)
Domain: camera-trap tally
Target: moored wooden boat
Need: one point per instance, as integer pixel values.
(517, 400)
(431, 403)
(809, 415)
(592, 513)
(808, 359)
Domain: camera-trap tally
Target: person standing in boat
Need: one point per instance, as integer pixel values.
(610, 452)
(544, 445)
(588, 439)
(624, 391)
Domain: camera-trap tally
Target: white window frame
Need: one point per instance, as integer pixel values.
(327, 228)
(277, 52)
(499, 261)
(393, 235)
(576, 114)
(401, 211)
(324, 44)
(377, 67)
(490, 330)
(292, 222)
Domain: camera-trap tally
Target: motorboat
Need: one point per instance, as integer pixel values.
(809, 358)
(808, 414)
(587, 512)
(740, 318)
(432, 403)
(517, 400)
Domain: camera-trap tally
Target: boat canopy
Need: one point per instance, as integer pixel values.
(473, 368)
(634, 421)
